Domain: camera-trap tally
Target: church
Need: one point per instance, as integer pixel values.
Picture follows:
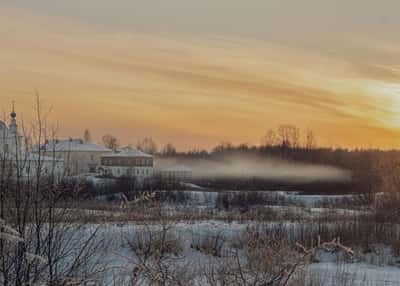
(10, 139)
(19, 158)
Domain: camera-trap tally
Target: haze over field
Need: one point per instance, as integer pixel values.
(200, 72)
(237, 167)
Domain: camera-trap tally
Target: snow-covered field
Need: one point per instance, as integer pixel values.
(119, 255)
(354, 274)
(380, 266)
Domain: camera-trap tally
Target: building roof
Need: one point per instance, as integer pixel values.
(74, 145)
(32, 157)
(128, 153)
(35, 157)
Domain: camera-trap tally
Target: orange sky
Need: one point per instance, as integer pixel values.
(196, 89)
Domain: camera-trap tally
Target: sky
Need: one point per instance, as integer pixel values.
(197, 73)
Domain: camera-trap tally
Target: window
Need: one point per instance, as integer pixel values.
(92, 157)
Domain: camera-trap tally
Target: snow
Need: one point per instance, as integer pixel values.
(128, 153)
(74, 145)
(201, 197)
(354, 274)
(369, 270)
(192, 186)
(118, 254)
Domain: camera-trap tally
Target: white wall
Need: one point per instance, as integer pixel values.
(135, 172)
(79, 162)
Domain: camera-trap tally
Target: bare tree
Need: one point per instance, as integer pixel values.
(311, 142)
(288, 136)
(223, 146)
(169, 150)
(110, 141)
(147, 145)
(44, 246)
(87, 136)
(270, 139)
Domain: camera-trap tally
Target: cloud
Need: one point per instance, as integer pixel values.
(194, 91)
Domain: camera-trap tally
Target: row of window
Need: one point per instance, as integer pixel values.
(127, 162)
(137, 172)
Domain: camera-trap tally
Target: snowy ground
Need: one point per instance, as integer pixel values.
(372, 270)
(355, 274)
(325, 273)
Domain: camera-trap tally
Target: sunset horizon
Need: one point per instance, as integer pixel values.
(229, 79)
(199, 142)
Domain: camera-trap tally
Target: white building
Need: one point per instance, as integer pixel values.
(79, 156)
(10, 139)
(178, 173)
(31, 165)
(18, 160)
(127, 163)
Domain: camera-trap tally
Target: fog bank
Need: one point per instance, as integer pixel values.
(269, 169)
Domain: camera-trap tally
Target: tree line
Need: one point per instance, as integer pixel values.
(285, 136)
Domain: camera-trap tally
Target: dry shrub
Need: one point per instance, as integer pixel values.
(387, 207)
(396, 247)
(155, 243)
(271, 253)
(261, 259)
(209, 244)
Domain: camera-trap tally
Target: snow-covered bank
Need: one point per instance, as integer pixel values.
(266, 197)
(119, 254)
(355, 274)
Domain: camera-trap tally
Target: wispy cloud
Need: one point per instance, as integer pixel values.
(196, 91)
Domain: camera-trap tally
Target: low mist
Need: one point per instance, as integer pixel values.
(269, 169)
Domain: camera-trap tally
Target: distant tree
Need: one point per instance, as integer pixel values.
(311, 142)
(270, 139)
(223, 146)
(87, 136)
(243, 147)
(169, 150)
(288, 136)
(110, 141)
(197, 152)
(147, 145)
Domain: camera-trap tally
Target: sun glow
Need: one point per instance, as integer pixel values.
(198, 89)
(388, 100)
